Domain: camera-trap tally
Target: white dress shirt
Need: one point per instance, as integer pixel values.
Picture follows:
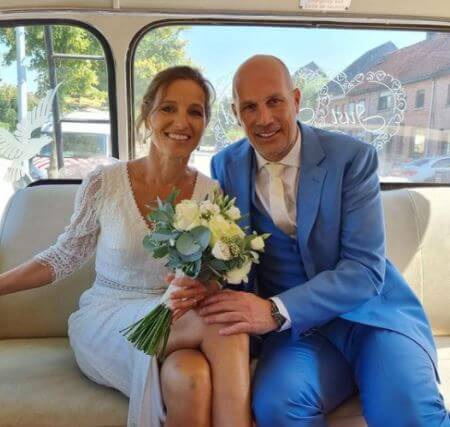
(290, 177)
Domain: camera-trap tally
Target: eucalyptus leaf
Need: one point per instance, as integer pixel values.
(149, 243)
(186, 244)
(202, 236)
(161, 237)
(193, 257)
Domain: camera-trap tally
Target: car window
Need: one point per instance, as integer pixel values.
(371, 89)
(55, 92)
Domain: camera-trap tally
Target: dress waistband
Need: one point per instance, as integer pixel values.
(104, 281)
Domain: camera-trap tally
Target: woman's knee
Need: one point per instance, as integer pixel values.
(185, 373)
(238, 343)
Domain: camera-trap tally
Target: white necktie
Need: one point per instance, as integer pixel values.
(278, 208)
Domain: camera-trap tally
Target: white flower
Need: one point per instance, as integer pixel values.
(233, 213)
(221, 251)
(207, 207)
(255, 256)
(238, 275)
(187, 215)
(257, 244)
(172, 242)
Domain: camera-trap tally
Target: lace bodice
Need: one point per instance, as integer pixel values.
(107, 221)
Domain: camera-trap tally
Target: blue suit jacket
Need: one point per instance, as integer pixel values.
(340, 231)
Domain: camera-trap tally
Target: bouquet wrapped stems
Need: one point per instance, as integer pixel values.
(151, 333)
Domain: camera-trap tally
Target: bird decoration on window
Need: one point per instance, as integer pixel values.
(20, 146)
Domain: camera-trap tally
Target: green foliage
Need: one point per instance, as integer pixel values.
(310, 88)
(84, 81)
(8, 106)
(158, 49)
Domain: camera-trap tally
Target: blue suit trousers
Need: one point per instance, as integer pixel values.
(298, 383)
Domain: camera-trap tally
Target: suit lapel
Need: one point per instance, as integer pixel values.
(243, 188)
(309, 191)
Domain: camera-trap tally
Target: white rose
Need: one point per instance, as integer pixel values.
(233, 213)
(238, 275)
(187, 215)
(257, 244)
(207, 206)
(221, 251)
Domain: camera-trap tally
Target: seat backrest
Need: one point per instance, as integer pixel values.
(418, 243)
(31, 222)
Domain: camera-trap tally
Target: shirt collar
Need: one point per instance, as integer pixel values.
(290, 159)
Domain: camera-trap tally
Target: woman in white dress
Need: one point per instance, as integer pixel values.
(204, 381)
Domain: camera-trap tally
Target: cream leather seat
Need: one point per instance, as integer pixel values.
(40, 382)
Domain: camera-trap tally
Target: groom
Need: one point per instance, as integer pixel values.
(336, 315)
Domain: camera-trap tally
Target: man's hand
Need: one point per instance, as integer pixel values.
(241, 311)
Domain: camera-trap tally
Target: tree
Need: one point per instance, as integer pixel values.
(84, 82)
(158, 49)
(8, 106)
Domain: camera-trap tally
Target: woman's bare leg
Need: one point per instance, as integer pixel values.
(186, 389)
(228, 358)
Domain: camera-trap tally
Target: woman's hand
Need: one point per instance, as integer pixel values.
(191, 292)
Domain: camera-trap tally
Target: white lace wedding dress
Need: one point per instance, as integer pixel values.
(128, 284)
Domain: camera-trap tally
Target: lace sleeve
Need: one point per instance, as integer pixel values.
(79, 239)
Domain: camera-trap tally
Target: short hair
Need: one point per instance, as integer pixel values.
(164, 78)
(283, 66)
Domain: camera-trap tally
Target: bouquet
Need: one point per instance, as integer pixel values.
(198, 239)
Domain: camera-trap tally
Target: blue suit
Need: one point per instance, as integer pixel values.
(350, 288)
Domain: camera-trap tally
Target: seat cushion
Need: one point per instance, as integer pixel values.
(41, 386)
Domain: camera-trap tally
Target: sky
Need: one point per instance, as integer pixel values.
(220, 49)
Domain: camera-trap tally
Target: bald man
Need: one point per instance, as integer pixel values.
(335, 315)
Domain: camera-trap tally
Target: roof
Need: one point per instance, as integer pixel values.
(363, 64)
(420, 61)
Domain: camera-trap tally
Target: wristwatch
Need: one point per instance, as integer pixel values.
(276, 315)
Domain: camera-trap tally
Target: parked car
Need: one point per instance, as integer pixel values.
(428, 169)
(86, 145)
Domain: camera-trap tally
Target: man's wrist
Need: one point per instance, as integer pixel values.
(276, 315)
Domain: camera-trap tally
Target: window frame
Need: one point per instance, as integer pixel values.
(354, 23)
(419, 93)
(111, 72)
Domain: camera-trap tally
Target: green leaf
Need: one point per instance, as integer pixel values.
(218, 265)
(173, 195)
(149, 243)
(158, 215)
(193, 257)
(192, 269)
(170, 210)
(202, 236)
(160, 252)
(160, 237)
(186, 244)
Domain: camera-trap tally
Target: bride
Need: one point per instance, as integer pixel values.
(204, 380)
